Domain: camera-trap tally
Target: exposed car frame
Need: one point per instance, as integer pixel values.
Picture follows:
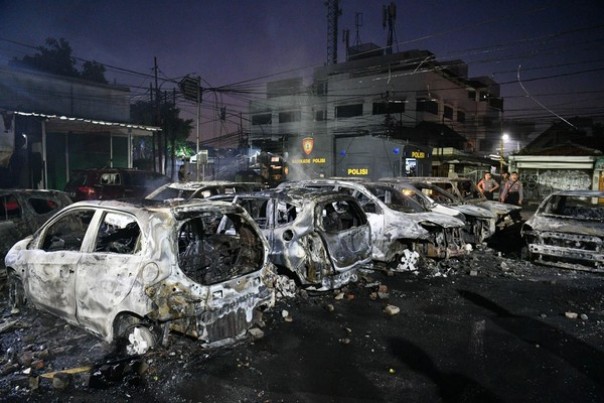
(23, 211)
(136, 273)
(319, 238)
(398, 237)
(567, 230)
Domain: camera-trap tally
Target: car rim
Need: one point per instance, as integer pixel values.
(140, 340)
(408, 261)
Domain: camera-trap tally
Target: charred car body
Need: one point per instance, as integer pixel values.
(401, 229)
(480, 223)
(567, 230)
(23, 211)
(319, 238)
(466, 192)
(124, 272)
(179, 191)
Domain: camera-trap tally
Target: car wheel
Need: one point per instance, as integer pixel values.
(407, 261)
(135, 336)
(16, 293)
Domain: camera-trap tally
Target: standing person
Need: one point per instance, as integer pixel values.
(513, 194)
(505, 177)
(487, 185)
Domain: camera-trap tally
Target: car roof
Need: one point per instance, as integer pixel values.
(174, 210)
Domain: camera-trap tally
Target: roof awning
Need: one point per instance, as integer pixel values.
(69, 124)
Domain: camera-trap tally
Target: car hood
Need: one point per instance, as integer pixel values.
(476, 211)
(498, 207)
(542, 223)
(444, 220)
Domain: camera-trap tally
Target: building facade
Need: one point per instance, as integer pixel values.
(52, 125)
(385, 106)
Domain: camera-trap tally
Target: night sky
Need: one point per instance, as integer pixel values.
(240, 45)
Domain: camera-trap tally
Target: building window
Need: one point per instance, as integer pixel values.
(348, 111)
(448, 112)
(461, 116)
(427, 105)
(322, 88)
(320, 116)
(382, 108)
(262, 119)
(472, 95)
(287, 117)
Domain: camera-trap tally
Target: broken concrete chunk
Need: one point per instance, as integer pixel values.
(392, 310)
(584, 316)
(571, 315)
(34, 382)
(330, 308)
(344, 340)
(61, 380)
(286, 316)
(339, 296)
(473, 273)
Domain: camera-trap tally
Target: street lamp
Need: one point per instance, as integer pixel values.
(504, 137)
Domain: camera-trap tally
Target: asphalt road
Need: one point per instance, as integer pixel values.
(483, 328)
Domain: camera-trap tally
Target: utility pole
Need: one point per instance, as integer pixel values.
(154, 136)
(158, 119)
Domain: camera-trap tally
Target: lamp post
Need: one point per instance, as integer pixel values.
(504, 137)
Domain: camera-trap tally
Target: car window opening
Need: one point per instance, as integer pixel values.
(213, 248)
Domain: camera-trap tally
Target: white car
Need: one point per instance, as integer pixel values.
(125, 272)
(320, 239)
(567, 231)
(401, 229)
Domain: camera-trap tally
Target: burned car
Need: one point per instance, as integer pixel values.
(178, 191)
(480, 223)
(466, 192)
(128, 273)
(567, 230)
(401, 229)
(23, 211)
(320, 239)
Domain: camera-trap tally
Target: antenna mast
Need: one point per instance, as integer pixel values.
(333, 12)
(389, 20)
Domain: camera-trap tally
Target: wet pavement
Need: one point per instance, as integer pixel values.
(485, 327)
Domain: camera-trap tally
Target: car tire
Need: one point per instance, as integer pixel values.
(16, 293)
(135, 336)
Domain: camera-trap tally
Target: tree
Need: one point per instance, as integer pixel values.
(175, 130)
(56, 58)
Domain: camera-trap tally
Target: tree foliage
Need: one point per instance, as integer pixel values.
(56, 58)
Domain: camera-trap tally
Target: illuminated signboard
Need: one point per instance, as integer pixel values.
(418, 154)
(358, 171)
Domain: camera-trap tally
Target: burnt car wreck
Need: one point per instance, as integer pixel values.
(134, 274)
(567, 231)
(23, 211)
(320, 239)
(401, 229)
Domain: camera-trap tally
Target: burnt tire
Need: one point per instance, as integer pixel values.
(135, 336)
(16, 293)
